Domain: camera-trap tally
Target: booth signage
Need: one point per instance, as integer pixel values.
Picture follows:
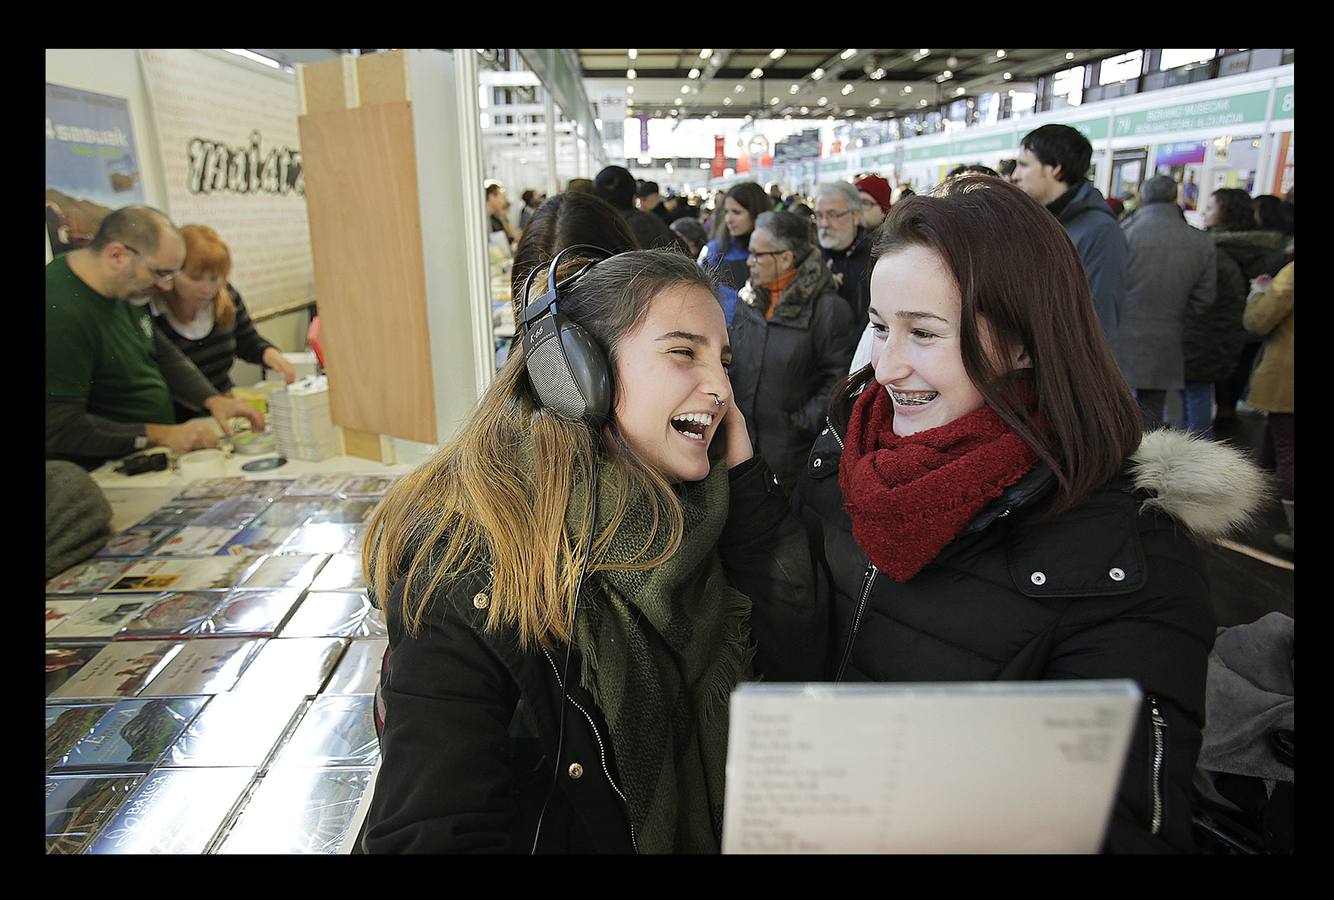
(1213, 113)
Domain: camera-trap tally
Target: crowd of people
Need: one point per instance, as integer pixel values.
(866, 435)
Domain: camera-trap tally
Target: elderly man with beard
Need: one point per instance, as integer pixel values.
(845, 244)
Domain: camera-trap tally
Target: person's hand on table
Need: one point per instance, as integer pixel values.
(224, 409)
(181, 439)
(274, 359)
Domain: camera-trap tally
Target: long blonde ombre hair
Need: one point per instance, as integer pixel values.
(496, 496)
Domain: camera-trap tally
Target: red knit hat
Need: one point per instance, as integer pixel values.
(875, 186)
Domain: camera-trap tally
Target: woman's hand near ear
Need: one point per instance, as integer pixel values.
(735, 437)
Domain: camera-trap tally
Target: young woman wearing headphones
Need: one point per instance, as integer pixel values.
(559, 670)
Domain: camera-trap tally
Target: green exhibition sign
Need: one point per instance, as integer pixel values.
(833, 166)
(915, 154)
(1214, 113)
(985, 144)
(1093, 129)
(1284, 105)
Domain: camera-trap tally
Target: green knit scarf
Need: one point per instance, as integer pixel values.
(662, 649)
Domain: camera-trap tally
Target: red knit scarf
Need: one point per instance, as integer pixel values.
(910, 496)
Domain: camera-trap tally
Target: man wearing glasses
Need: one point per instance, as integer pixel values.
(110, 375)
(845, 244)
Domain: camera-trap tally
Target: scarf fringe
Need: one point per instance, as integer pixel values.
(736, 656)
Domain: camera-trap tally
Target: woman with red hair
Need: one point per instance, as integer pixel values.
(204, 316)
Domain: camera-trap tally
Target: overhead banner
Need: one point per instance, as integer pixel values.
(92, 165)
(232, 160)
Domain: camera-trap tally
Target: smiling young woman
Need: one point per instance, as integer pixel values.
(987, 506)
(477, 557)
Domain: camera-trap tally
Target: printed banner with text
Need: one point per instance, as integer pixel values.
(232, 160)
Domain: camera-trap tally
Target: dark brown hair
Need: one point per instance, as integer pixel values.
(1016, 268)
(750, 197)
(562, 221)
(1235, 211)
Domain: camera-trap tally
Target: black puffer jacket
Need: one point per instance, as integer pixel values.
(1242, 256)
(470, 725)
(1122, 594)
(853, 266)
(784, 370)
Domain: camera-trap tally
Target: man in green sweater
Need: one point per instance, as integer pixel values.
(110, 375)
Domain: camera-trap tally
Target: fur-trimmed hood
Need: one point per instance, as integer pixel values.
(813, 279)
(1210, 488)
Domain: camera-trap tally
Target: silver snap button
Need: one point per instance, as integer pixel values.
(576, 771)
(1117, 575)
(1038, 578)
(481, 601)
(818, 462)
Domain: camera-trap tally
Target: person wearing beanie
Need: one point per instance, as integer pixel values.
(875, 193)
(617, 186)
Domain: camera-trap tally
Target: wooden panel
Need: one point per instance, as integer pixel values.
(363, 445)
(383, 77)
(365, 234)
(323, 87)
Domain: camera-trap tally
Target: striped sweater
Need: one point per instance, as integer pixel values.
(215, 353)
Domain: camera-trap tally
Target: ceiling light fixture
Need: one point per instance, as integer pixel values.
(773, 102)
(739, 89)
(1000, 54)
(776, 54)
(678, 101)
(805, 109)
(694, 73)
(846, 54)
(756, 72)
(633, 54)
(907, 89)
(878, 74)
(793, 89)
(685, 88)
(960, 91)
(922, 102)
(952, 62)
(817, 74)
(727, 101)
(1070, 55)
(630, 74)
(847, 89)
(629, 88)
(705, 54)
(1007, 76)
(875, 101)
(822, 101)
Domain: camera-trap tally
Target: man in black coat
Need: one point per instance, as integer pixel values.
(845, 245)
(616, 185)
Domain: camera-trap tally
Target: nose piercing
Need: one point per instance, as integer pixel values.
(717, 401)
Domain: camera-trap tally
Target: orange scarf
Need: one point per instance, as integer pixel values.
(776, 289)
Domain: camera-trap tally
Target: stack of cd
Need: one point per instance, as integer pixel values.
(300, 421)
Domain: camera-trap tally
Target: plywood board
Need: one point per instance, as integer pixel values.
(365, 228)
(383, 77)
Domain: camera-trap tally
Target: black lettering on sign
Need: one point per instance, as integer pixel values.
(215, 167)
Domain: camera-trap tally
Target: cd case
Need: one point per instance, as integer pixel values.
(234, 512)
(100, 617)
(58, 610)
(235, 730)
(210, 489)
(359, 670)
(337, 730)
(263, 489)
(291, 666)
(196, 540)
(137, 540)
(173, 613)
(252, 612)
(89, 577)
(325, 537)
(178, 513)
(66, 725)
(133, 734)
(341, 573)
(120, 669)
(174, 811)
(288, 513)
(367, 486)
(345, 512)
(186, 574)
(256, 540)
(63, 661)
(336, 614)
(316, 485)
(78, 806)
(294, 570)
(204, 667)
(298, 811)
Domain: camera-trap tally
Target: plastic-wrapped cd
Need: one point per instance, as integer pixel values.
(316, 485)
(204, 667)
(183, 574)
(341, 573)
(173, 613)
(325, 537)
(234, 730)
(210, 489)
(100, 618)
(89, 577)
(63, 662)
(138, 540)
(252, 612)
(78, 806)
(337, 730)
(296, 570)
(256, 540)
(298, 811)
(263, 488)
(234, 512)
(367, 485)
(176, 514)
(174, 811)
(337, 614)
(345, 512)
(291, 666)
(359, 670)
(120, 669)
(133, 734)
(66, 725)
(58, 609)
(196, 540)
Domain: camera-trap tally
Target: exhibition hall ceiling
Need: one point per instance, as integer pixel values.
(815, 83)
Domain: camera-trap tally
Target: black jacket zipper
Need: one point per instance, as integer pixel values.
(867, 580)
(1159, 724)
(602, 750)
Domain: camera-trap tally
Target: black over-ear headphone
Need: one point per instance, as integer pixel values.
(566, 366)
